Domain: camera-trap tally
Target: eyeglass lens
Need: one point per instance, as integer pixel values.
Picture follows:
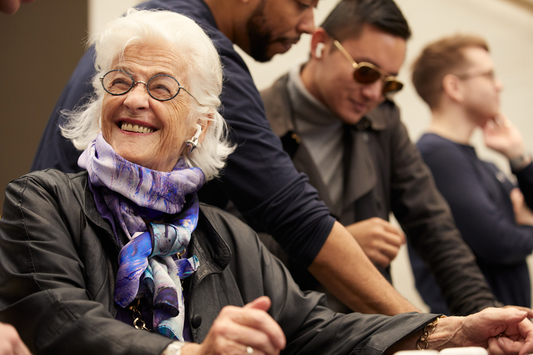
(364, 74)
(160, 87)
(392, 86)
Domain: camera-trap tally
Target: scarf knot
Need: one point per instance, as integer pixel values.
(139, 198)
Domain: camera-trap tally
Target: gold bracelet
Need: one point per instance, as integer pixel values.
(423, 342)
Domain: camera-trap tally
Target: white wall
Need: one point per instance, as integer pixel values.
(507, 27)
(103, 11)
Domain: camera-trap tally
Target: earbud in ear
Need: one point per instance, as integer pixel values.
(319, 49)
(193, 142)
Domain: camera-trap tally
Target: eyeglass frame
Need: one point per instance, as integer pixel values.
(490, 74)
(133, 83)
(385, 77)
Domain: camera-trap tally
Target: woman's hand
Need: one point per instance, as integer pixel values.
(507, 331)
(237, 329)
(502, 136)
(10, 342)
(501, 330)
(379, 239)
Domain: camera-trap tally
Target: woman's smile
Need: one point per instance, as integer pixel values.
(135, 128)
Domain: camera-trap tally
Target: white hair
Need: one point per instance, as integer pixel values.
(204, 73)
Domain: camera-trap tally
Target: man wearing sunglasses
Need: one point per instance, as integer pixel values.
(334, 119)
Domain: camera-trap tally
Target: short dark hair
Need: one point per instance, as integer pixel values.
(438, 59)
(349, 16)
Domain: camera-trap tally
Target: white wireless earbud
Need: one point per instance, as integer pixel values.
(193, 142)
(319, 49)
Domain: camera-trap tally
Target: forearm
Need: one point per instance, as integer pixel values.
(357, 283)
(501, 331)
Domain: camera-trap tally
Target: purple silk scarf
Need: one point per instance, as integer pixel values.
(139, 199)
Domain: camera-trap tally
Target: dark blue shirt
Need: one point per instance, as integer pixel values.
(259, 177)
(478, 195)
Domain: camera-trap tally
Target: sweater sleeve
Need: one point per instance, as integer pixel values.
(483, 215)
(429, 226)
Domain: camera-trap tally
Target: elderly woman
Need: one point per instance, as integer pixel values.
(123, 259)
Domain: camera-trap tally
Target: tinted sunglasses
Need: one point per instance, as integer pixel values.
(368, 73)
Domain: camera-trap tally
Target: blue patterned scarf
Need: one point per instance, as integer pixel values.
(139, 199)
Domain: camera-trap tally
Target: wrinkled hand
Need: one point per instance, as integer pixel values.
(502, 136)
(503, 330)
(10, 342)
(237, 328)
(379, 239)
(522, 213)
(529, 311)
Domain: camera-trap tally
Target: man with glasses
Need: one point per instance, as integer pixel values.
(455, 77)
(334, 119)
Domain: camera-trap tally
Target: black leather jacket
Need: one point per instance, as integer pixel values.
(58, 261)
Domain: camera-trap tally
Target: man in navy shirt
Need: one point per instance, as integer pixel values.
(455, 77)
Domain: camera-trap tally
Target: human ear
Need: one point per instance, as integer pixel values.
(318, 45)
(451, 85)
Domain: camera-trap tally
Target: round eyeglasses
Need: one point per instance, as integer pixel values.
(161, 87)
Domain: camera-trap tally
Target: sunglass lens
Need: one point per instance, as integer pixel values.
(392, 87)
(366, 75)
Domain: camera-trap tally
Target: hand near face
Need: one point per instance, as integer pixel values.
(506, 331)
(10, 342)
(379, 239)
(502, 136)
(237, 328)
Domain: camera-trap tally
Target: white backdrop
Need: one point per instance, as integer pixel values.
(507, 28)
